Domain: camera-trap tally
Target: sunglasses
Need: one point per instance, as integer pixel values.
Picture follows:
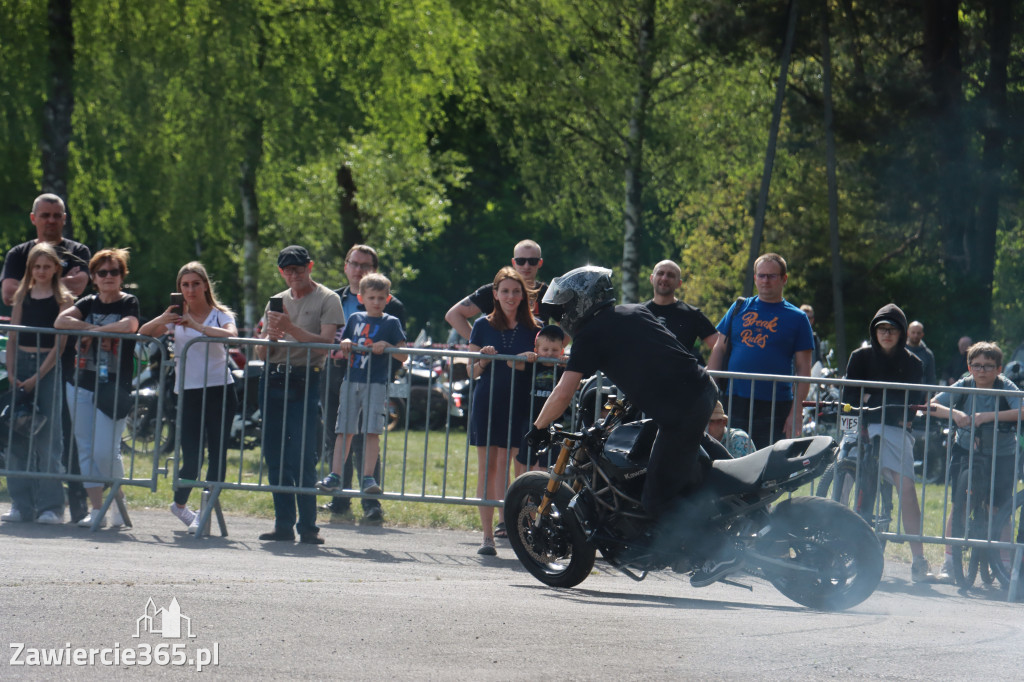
(108, 273)
(524, 261)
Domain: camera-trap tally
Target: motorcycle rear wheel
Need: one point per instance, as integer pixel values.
(816, 533)
(553, 547)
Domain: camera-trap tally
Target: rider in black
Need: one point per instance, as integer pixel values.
(657, 374)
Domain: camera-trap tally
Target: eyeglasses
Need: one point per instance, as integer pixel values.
(524, 261)
(885, 329)
(982, 368)
(293, 270)
(108, 273)
(364, 267)
(769, 276)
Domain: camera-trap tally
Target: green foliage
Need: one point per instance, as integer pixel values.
(466, 127)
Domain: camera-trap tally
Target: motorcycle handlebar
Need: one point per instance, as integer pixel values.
(847, 407)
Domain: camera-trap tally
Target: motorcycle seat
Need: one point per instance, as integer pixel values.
(771, 466)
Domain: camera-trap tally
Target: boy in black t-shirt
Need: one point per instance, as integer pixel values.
(548, 344)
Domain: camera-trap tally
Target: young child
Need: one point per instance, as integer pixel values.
(985, 424)
(363, 401)
(548, 344)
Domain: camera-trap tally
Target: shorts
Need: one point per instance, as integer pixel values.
(895, 449)
(362, 408)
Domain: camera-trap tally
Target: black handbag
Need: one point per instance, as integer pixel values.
(113, 399)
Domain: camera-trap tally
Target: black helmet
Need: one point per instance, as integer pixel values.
(580, 293)
(1014, 371)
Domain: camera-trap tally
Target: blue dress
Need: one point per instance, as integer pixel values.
(504, 432)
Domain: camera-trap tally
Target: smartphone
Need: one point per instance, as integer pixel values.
(276, 304)
(178, 303)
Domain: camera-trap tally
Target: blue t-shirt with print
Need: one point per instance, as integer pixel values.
(364, 330)
(763, 338)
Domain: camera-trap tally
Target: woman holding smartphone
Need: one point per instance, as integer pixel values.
(37, 302)
(209, 400)
(103, 363)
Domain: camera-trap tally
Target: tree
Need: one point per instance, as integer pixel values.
(592, 91)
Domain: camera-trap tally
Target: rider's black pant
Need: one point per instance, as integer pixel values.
(674, 467)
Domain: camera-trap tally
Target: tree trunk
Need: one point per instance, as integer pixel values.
(635, 156)
(839, 311)
(348, 209)
(60, 100)
(769, 156)
(251, 221)
(999, 29)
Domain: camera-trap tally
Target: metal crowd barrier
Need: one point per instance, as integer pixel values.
(24, 419)
(936, 459)
(425, 453)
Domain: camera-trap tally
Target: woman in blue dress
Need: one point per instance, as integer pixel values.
(501, 396)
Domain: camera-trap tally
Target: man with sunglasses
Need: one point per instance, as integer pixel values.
(49, 217)
(765, 334)
(526, 260)
(360, 261)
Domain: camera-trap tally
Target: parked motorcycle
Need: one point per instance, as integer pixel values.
(146, 429)
(813, 550)
(429, 393)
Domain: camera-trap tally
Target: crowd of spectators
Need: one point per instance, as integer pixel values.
(75, 387)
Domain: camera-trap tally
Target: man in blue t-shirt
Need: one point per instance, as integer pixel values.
(765, 334)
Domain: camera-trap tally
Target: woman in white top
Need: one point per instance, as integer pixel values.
(209, 404)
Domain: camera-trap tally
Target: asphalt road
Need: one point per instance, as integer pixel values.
(417, 604)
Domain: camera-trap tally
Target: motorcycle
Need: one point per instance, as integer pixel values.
(815, 551)
(146, 430)
(429, 392)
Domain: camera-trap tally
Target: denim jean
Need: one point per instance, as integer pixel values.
(98, 438)
(42, 451)
(291, 413)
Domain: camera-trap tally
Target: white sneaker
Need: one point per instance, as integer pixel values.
(184, 514)
(50, 518)
(13, 516)
(87, 521)
(116, 520)
(193, 527)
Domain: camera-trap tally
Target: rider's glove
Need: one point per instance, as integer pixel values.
(538, 438)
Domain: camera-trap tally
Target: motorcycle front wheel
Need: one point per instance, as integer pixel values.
(840, 550)
(552, 547)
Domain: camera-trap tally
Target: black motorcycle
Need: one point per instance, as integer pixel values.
(813, 550)
(151, 426)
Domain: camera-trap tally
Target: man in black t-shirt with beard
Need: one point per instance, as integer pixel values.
(662, 379)
(687, 323)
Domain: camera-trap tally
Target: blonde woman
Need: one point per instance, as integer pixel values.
(209, 403)
(38, 301)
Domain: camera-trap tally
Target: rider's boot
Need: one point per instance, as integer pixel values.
(727, 560)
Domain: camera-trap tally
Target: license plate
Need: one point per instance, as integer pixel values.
(849, 423)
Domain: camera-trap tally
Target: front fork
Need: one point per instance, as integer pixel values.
(555, 479)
